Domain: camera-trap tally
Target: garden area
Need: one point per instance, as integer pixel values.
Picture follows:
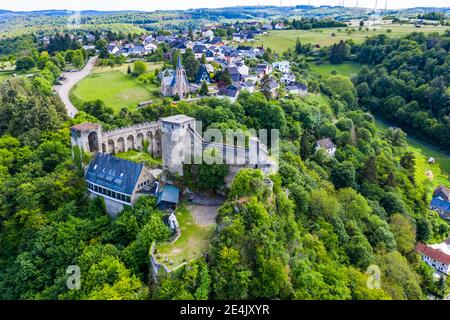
(193, 242)
(326, 69)
(140, 157)
(115, 87)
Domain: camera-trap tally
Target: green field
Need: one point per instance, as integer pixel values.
(346, 69)
(115, 87)
(423, 151)
(281, 40)
(191, 244)
(5, 75)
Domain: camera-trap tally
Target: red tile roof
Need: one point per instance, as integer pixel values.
(434, 254)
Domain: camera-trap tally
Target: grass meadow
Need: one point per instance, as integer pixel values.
(281, 40)
(115, 87)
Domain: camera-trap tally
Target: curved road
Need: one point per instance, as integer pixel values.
(72, 78)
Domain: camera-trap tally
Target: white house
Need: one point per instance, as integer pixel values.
(283, 66)
(298, 89)
(327, 145)
(150, 47)
(208, 34)
(288, 78)
(436, 256)
(243, 69)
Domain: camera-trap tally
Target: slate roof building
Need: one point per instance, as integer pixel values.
(231, 92)
(116, 180)
(441, 201)
(296, 88)
(327, 145)
(168, 197)
(202, 75)
(443, 193)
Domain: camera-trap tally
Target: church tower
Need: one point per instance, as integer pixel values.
(180, 85)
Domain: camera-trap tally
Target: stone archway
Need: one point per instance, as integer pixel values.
(121, 145)
(157, 148)
(93, 141)
(140, 142)
(151, 143)
(111, 146)
(130, 142)
(103, 148)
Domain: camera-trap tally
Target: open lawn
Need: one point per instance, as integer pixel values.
(192, 243)
(281, 40)
(346, 69)
(115, 87)
(423, 151)
(321, 99)
(140, 157)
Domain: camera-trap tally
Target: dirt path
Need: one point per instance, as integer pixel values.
(72, 78)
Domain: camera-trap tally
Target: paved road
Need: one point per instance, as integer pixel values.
(72, 79)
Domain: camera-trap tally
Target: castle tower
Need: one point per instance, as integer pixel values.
(176, 141)
(85, 138)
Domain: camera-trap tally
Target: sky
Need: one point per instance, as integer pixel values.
(151, 5)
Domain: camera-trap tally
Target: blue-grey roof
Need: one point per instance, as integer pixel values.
(440, 204)
(114, 173)
(169, 193)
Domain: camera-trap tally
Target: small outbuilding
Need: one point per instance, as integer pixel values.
(168, 197)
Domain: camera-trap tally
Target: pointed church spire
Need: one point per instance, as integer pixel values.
(179, 61)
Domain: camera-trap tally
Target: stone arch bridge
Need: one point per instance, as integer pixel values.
(91, 138)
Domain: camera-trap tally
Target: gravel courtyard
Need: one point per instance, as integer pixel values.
(203, 215)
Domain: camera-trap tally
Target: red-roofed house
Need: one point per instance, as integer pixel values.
(435, 258)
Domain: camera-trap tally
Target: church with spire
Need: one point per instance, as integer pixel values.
(175, 83)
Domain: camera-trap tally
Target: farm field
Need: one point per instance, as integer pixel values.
(282, 40)
(191, 244)
(346, 69)
(115, 87)
(423, 151)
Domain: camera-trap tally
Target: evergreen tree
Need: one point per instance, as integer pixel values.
(204, 89)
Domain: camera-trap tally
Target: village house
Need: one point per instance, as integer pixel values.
(436, 256)
(288, 78)
(209, 34)
(279, 26)
(282, 66)
(297, 89)
(274, 86)
(441, 201)
(203, 74)
(231, 92)
(327, 145)
(263, 69)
